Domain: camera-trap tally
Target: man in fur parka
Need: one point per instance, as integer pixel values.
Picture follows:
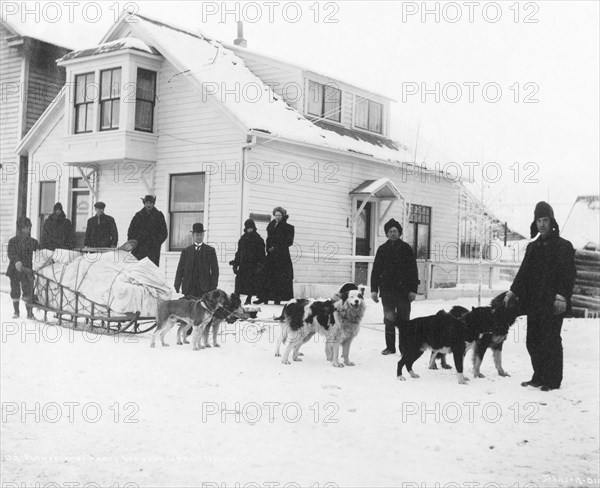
(543, 287)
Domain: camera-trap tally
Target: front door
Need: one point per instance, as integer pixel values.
(80, 209)
(363, 242)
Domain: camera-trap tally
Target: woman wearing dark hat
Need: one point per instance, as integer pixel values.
(20, 255)
(249, 261)
(280, 271)
(395, 277)
(57, 232)
(149, 228)
(543, 288)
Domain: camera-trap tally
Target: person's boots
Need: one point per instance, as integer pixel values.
(16, 308)
(29, 309)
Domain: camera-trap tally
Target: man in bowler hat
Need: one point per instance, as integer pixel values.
(543, 288)
(149, 229)
(198, 268)
(396, 278)
(101, 230)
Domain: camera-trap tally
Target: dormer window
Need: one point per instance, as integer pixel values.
(110, 97)
(324, 101)
(85, 91)
(144, 100)
(368, 115)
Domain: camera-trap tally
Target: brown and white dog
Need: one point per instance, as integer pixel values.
(208, 311)
(338, 321)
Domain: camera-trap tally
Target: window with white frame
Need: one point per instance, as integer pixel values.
(324, 101)
(417, 232)
(110, 98)
(186, 207)
(85, 93)
(368, 115)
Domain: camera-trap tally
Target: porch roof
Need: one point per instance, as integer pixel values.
(383, 189)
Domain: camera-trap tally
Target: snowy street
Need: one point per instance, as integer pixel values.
(80, 408)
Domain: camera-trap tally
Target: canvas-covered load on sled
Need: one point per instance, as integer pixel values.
(107, 285)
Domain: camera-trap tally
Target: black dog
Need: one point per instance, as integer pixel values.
(457, 311)
(503, 318)
(442, 333)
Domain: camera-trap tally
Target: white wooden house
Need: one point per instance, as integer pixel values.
(220, 134)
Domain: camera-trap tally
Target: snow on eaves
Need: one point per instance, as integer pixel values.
(116, 45)
(224, 75)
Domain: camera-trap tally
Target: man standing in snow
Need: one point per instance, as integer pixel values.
(149, 229)
(101, 230)
(543, 288)
(396, 277)
(20, 255)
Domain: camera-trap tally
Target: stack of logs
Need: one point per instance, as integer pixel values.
(586, 293)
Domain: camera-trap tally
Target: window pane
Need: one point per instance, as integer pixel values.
(187, 193)
(80, 118)
(315, 98)
(145, 84)
(361, 118)
(105, 115)
(115, 114)
(105, 85)
(115, 84)
(91, 89)
(422, 241)
(79, 88)
(375, 112)
(47, 196)
(88, 117)
(181, 225)
(333, 103)
(143, 115)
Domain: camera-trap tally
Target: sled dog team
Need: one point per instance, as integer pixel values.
(338, 320)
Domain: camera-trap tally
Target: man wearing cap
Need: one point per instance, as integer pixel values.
(57, 232)
(543, 288)
(198, 268)
(20, 256)
(101, 230)
(395, 278)
(149, 229)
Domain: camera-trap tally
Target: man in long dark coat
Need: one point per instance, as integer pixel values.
(149, 229)
(248, 264)
(57, 232)
(101, 230)
(543, 287)
(395, 277)
(20, 256)
(198, 268)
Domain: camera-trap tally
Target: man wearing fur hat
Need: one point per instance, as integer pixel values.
(543, 288)
(149, 229)
(395, 278)
(57, 231)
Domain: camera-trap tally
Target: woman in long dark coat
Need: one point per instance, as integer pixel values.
(280, 271)
(249, 262)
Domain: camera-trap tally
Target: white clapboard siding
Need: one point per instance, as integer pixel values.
(321, 211)
(10, 113)
(195, 136)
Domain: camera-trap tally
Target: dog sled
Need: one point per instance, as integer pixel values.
(71, 308)
(105, 289)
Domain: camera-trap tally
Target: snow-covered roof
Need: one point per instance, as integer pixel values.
(382, 188)
(52, 33)
(218, 69)
(111, 46)
(582, 225)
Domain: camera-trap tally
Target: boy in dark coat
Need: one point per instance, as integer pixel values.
(396, 277)
(101, 230)
(543, 287)
(149, 229)
(57, 232)
(20, 255)
(198, 268)
(248, 264)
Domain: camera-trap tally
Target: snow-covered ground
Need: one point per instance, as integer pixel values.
(79, 408)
